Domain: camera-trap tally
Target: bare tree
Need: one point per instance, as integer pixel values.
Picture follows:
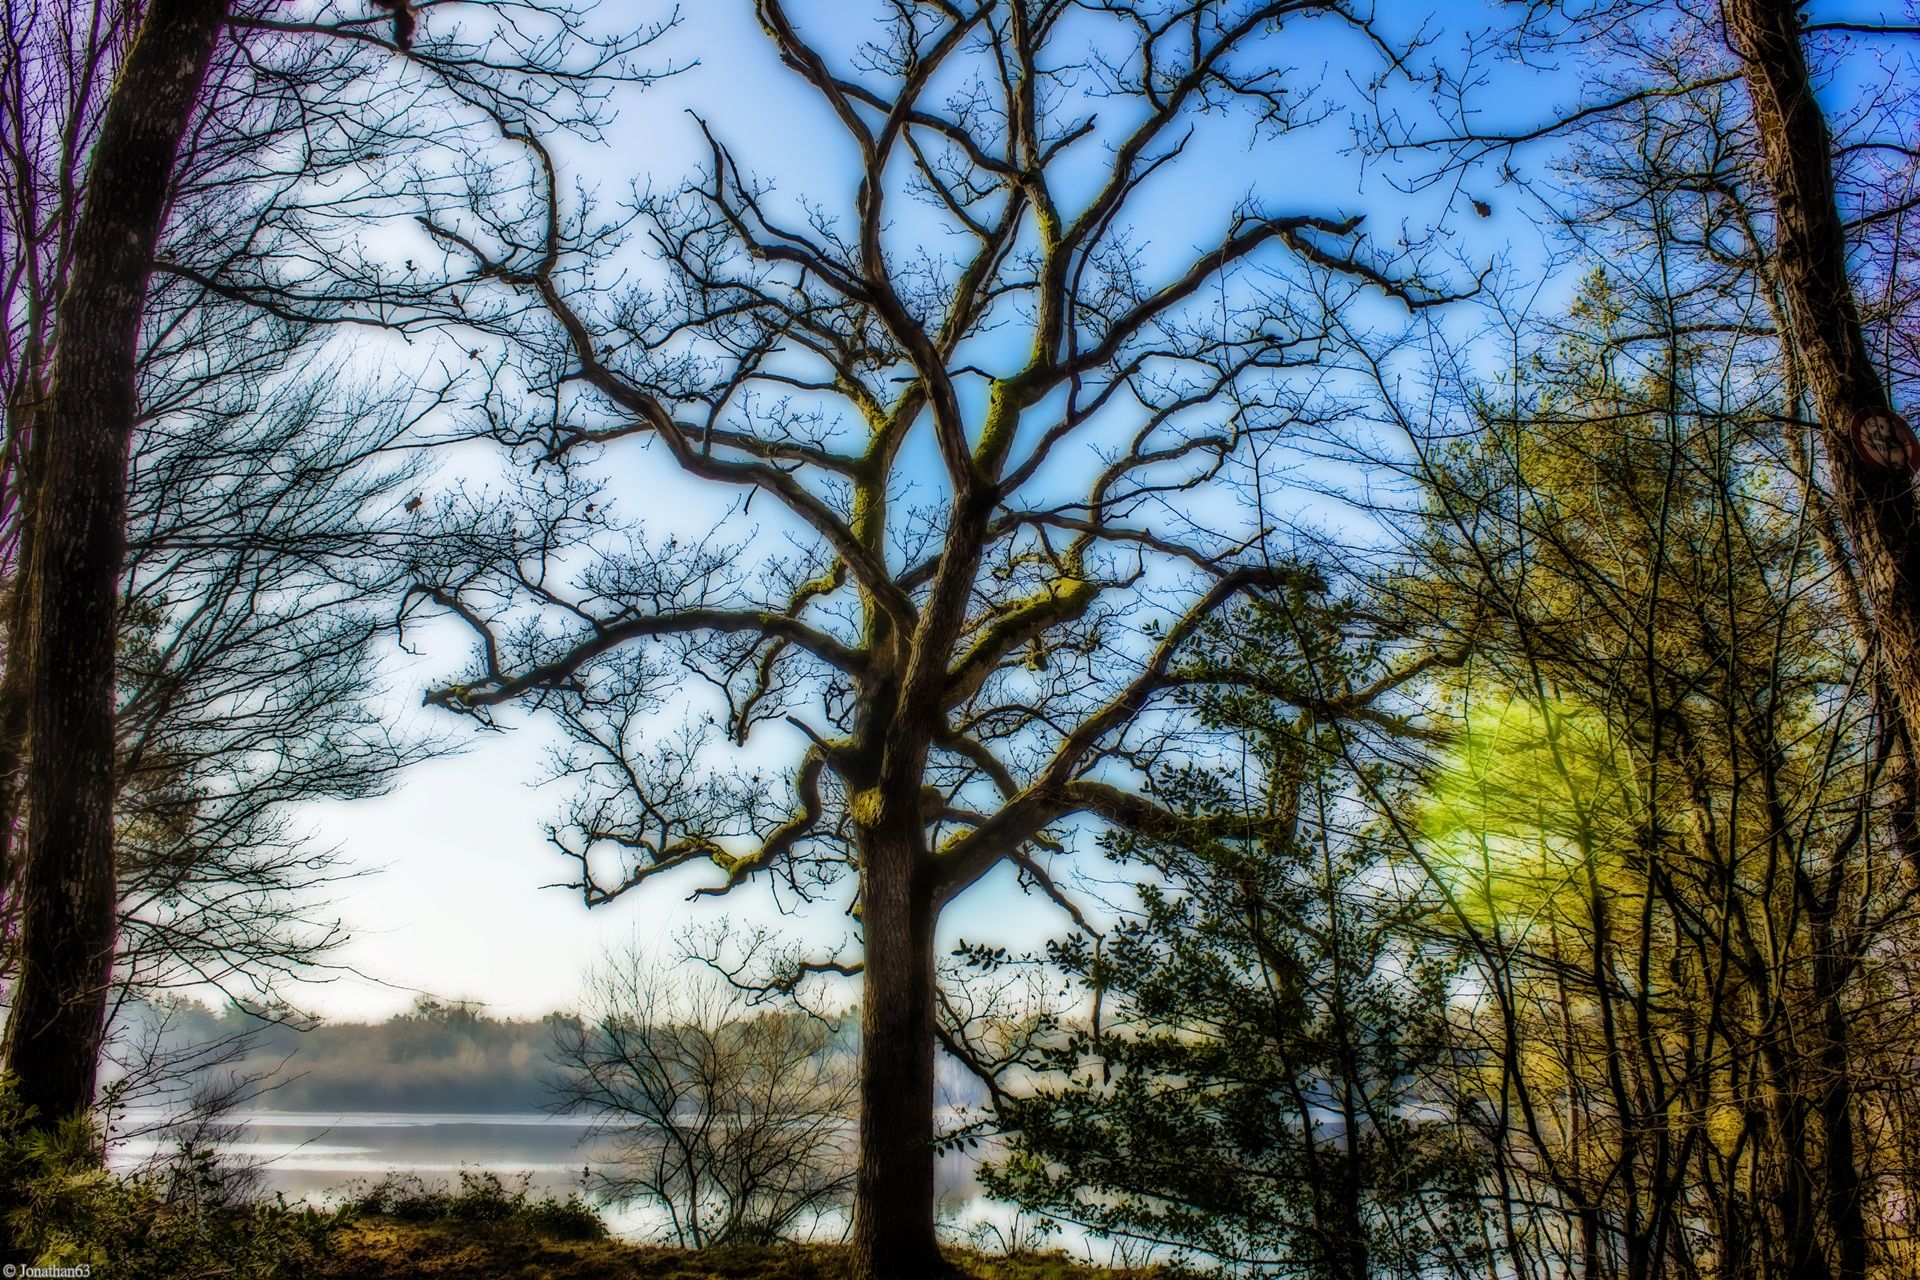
(1874, 497)
(56, 66)
(969, 677)
(265, 548)
(274, 497)
(736, 1120)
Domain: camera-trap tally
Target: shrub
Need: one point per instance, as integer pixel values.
(480, 1198)
(69, 1211)
(734, 1119)
(403, 1197)
(569, 1219)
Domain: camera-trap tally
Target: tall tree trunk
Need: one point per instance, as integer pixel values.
(1877, 507)
(893, 1236)
(13, 684)
(67, 878)
(13, 759)
(1844, 1190)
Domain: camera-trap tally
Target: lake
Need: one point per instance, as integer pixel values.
(307, 1155)
(320, 1156)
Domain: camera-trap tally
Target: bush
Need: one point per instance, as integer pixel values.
(404, 1198)
(569, 1219)
(481, 1198)
(69, 1211)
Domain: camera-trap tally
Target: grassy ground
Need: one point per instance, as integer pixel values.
(385, 1249)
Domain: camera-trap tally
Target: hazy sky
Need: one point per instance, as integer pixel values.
(452, 903)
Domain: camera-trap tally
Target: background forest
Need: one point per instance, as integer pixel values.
(1290, 629)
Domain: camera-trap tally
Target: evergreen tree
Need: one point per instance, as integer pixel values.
(1258, 1084)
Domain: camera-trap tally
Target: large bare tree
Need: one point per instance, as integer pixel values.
(991, 404)
(1847, 388)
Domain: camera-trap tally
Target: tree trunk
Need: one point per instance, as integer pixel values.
(13, 684)
(13, 757)
(893, 1235)
(67, 877)
(1877, 507)
(1845, 1190)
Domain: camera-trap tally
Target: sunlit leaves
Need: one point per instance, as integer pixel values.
(1533, 811)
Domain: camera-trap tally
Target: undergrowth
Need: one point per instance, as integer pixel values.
(479, 1198)
(191, 1216)
(183, 1217)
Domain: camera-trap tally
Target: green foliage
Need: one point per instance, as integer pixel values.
(67, 1210)
(1535, 805)
(1664, 814)
(1255, 1089)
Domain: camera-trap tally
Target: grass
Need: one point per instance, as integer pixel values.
(390, 1249)
(402, 1228)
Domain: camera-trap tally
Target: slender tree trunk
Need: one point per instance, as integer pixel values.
(1799, 1226)
(13, 684)
(13, 758)
(1594, 1264)
(1877, 507)
(893, 1235)
(1845, 1192)
(67, 877)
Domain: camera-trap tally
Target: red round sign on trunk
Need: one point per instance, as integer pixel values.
(1883, 439)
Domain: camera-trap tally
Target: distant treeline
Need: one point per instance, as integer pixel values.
(436, 1057)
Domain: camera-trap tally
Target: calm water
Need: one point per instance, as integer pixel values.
(309, 1155)
(321, 1156)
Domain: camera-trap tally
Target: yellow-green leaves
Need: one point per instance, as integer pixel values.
(1533, 811)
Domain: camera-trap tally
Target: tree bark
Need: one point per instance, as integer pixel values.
(1844, 1192)
(13, 758)
(21, 412)
(55, 1027)
(1877, 507)
(893, 1237)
